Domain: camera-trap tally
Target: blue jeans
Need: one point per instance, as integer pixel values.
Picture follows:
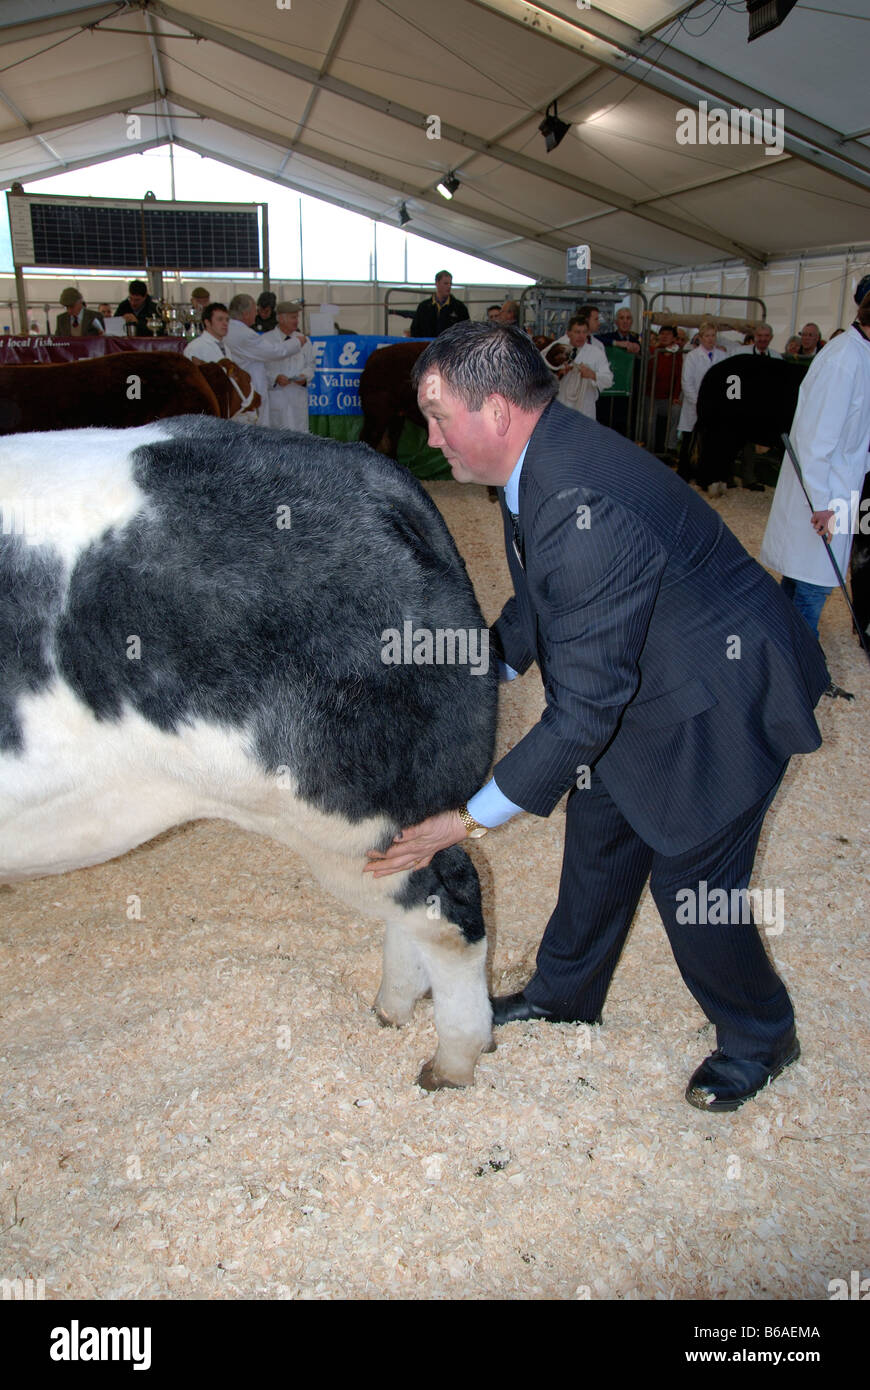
(808, 599)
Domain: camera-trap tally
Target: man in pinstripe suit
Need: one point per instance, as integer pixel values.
(679, 681)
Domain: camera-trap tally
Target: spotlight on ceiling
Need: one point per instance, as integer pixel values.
(765, 15)
(552, 129)
(404, 215)
(448, 185)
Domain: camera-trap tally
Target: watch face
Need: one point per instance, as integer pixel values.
(477, 832)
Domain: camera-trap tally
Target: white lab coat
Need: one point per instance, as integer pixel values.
(830, 435)
(208, 348)
(288, 405)
(695, 368)
(579, 392)
(253, 351)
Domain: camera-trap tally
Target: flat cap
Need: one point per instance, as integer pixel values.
(70, 296)
(288, 306)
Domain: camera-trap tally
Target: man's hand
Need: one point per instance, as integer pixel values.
(627, 347)
(415, 847)
(282, 380)
(302, 339)
(586, 371)
(130, 318)
(820, 522)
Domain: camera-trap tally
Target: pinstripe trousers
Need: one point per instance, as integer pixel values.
(604, 869)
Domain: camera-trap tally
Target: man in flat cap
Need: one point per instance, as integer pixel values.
(289, 376)
(77, 321)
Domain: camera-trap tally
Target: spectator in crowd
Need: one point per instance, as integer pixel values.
(698, 362)
(836, 333)
(199, 300)
(290, 377)
(492, 312)
(811, 340)
(664, 380)
(266, 320)
(105, 311)
(759, 344)
(252, 350)
(509, 313)
(683, 339)
(584, 371)
(77, 321)
(441, 310)
(211, 345)
(590, 313)
(138, 308)
(829, 434)
(614, 412)
(622, 336)
(792, 347)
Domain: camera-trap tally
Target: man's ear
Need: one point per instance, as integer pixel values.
(499, 409)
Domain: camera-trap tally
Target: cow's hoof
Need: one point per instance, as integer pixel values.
(384, 1019)
(430, 1080)
(491, 1045)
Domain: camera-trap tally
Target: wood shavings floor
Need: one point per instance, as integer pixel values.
(200, 1104)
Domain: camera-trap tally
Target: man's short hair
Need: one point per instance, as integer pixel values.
(588, 309)
(239, 304)
(439, 275)
(810, 324)
(765, 326)
(477, 360)
(267, 297)
(490, 307)
(578, 318)
(137, 287)
(209, 310)
(667, 328)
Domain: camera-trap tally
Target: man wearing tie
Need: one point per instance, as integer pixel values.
(290, 376)
(628, 591)
(77, 321)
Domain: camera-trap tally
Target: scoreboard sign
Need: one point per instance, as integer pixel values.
(127, 234)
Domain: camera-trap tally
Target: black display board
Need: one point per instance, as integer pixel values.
(116, 235)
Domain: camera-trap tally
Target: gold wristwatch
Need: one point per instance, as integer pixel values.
(474, 828)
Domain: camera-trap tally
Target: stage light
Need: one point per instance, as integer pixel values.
(404, 215)
(765, 15)
(448, 185)
(552, 129)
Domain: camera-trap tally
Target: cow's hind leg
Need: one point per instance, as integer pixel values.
(442, 919)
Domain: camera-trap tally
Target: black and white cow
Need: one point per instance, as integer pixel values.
(192, 623)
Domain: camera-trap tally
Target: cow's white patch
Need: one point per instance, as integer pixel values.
(64, 489)
(85, 790)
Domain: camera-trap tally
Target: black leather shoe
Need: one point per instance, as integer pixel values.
(516, 1008)
(724, 1083)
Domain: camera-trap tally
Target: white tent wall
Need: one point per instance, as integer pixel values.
(361, 303)
(796, 290)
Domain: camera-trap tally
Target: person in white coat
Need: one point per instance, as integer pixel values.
(830, 435)
(696, 364)
(585, 372)
(289, 378)
(211, 345)
(252, 350)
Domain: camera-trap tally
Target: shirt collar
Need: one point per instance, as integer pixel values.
(512, 486)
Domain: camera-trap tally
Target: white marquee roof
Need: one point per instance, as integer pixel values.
(331, 97)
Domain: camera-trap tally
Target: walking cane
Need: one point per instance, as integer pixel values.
(840, 580)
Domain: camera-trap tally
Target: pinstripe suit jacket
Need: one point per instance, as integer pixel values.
(671, 661)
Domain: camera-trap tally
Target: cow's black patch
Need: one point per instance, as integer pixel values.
(452, 879)
(249, 623)
(30, 589)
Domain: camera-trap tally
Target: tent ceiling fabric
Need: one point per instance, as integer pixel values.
(332, 99)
